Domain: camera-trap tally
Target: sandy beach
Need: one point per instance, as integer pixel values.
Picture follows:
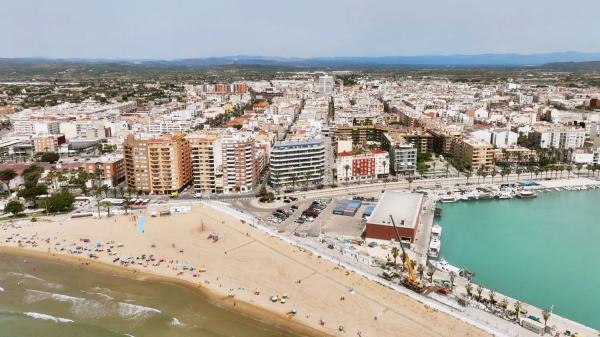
(243, 269)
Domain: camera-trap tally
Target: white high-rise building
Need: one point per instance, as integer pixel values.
(326, 85)
(297, 162)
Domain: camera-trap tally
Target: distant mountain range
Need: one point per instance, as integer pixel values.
(562, 60)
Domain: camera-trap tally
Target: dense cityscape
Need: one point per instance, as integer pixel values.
(299, 168)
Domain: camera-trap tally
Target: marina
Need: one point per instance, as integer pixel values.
(533, 251)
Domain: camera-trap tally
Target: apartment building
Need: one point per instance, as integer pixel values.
(111, 169)
(474, 153)
(403, 155)
(206, 162)
(47, 143)
(326, 85)
(240, 173)
(559, 137)
(365, 166)
(297, 161)
(158, 165)
(31, 127)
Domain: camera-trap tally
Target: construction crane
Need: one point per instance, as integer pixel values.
(411, 282)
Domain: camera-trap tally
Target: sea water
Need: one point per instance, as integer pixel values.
(543, 251)
(55, 299)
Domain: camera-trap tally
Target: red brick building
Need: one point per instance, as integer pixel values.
(404, 207)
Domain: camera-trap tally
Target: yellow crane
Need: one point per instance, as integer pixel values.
(411, 281)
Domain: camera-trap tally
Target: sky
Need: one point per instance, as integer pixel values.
(174, 29)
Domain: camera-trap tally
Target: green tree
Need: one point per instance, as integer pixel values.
(469, 289)
(60, 201)
(49, 157)
(430, 272)
(492, 297)
(493, 174)
(14, 207)
(420, 271)
(504, 304)
(107, 205)
(347, 168)
(452, 277)
(468, 174)
(479, 292)
(395, 253)
(7, 175)
(517, 307)
(546, 313)
(409, 179)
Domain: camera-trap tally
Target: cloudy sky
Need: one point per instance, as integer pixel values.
(294, 28)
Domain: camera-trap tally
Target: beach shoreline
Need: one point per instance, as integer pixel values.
(242, 308)
(246, 258)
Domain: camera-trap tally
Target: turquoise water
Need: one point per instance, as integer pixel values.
(544, 251)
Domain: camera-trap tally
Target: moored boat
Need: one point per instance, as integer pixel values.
(526, 195)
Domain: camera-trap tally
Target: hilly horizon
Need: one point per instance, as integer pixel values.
(455, 60)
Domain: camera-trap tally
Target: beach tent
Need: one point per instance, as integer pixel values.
(141, 225)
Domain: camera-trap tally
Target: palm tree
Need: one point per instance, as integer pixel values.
(347, 168)
(579, 167)
(483, 175)
(536, 172)
(503, 174)
(517, 307)
(105, 189)
(409, 179)
(569, 168)
(447, 169)
(125, 205)
(98, 195)
(492, 296)
(420, 271)
(504, 304)
(395, 253)
(469, 289)
(452, 277)
(518, 171)
(107, 206)
(493, 174)
(479, 174)
(468, 174)
(546, 316)
(122, 191)
(479, 291)
(430, 272)
(306, 178)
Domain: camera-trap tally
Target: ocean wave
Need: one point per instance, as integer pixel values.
(38, 295)
(79, 305)
(176, 322)
(99, 294)
(45, 317)
(29, 276)
(1, 290)
(129, 311)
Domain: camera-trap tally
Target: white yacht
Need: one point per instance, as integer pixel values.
(434, 248)
(436, 232)
(443, 265)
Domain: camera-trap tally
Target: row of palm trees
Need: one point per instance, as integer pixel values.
(124, 192)
(503, 304)
(548, 170)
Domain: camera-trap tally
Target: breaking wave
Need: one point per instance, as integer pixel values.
(136, 311)
(45, 317)
(176, 322)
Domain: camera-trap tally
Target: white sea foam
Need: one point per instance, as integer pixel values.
(176, 322)
(45, 317)
(38, 295)
(1, 290)
(29, 276)
(135, 311)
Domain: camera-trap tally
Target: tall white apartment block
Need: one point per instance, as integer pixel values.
(297, 162)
